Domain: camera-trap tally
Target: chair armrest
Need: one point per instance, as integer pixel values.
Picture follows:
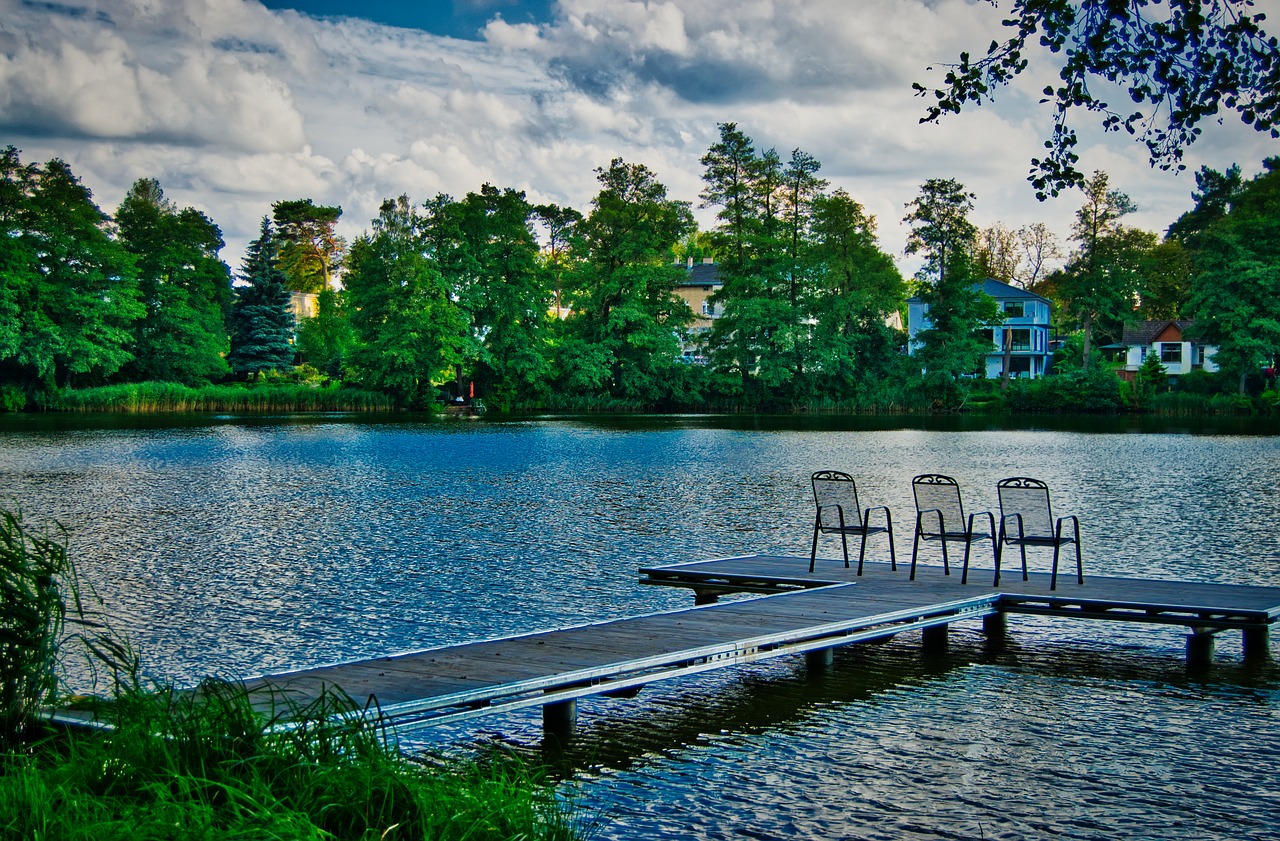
(991, 518)
(866, 515)
(1075, 521)
(920, 517)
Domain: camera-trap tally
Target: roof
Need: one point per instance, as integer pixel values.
(703, 274)
(1146, 332)
(1001, 291)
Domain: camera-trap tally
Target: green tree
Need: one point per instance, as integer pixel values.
(184, 286)
(261, 324)
(1099, 285)
(1166, 281)
(326, 340)
(69, 294)
(623, 339)
(408, 330)
(1179, 64)
(309, 249)
(1235, 298)
(952, 346)
(855, 286)
(505, 291)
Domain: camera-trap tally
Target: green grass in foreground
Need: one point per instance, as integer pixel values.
(204, 765)
(258, 397)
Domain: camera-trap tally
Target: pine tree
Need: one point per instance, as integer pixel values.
(261, 325)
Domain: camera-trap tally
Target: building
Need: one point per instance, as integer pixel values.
(1167, 339)
(701, 283)
(1026, 329)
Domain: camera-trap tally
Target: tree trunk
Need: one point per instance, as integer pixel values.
(1088, 344)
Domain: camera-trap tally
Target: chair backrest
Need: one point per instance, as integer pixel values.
(832, 488)
(1029, 498)
(935, 492)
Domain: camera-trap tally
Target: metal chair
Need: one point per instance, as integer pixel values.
(1025, 503)
(836, 496)
(940, 517)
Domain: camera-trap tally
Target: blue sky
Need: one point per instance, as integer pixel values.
(235, 104)
(454, 18)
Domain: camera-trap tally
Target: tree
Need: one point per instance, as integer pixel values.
(408, 330)
(1166, 281)
(1099, 285)
(1236, 291)
(261, 323)
(561, 226)
(1179, 63)
(624, 335)
(998, 253)
(309, 250)
(184, 286)
(504, 290)
(951, 346)
(855, 286)
(69, 295)
(326, 340)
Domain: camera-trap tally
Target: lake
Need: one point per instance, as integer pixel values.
(235, 546)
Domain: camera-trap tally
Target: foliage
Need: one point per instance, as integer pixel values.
(184, 286)
(261, 323)
(35, 585)
(954, 343)
(68, 297)
(1236, 299)
(1179, 66)
(309, 250)
(623, 335)
(269, 394)
(408, 330)
(1094, 390)
(326, 340)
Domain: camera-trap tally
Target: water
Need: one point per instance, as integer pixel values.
(234, 547)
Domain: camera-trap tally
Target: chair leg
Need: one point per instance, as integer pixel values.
(813, 552)
(844, 544)
(1053, 577)
(946, 562)
(1079, 565)
(964, 574)
(915, 548)
(1025, 577)
(893, 553)
(998, 551)
(862, 552)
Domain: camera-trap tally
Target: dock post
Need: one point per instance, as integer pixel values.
(995, 624)
(705, 597)
(559, 720)
(1199, 650)
(1257, 643)
(820, 661)
(934, 639)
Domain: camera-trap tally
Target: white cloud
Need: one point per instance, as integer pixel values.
(232, 106)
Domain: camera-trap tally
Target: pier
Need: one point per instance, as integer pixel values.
(790, 612)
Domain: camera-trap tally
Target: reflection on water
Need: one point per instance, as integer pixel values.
(235, 548)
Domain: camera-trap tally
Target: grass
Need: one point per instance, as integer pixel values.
(208, 763)
(260, 397)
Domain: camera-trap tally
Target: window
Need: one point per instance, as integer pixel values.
(1020, 339)
(1014, 309)
(1171, 352)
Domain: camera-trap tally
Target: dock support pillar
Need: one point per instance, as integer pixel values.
(934, 639)
(995, 625)
(1199, 651)
(705, 597)
(559, 720)
(1257, 643)
(820, 661)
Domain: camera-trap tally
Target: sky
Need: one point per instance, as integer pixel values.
(233, 105)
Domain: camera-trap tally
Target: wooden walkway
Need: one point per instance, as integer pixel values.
(797, 612)
(791, 611)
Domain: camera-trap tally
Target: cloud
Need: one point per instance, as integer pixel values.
(134, 71)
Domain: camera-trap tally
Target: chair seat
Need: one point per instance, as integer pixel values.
(954, 535)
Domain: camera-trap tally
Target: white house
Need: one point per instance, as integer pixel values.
(1177, 353)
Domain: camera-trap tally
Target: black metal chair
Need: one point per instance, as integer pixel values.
(1025, 503)
(836, 496)
(940, 516)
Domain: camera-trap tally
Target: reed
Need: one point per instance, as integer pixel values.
(259, 397)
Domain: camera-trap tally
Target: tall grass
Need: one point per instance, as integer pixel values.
(35, 584)
(174, 397)
(216, 762)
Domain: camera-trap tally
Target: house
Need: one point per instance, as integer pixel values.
(702, 281)
(1026, 330)
(1168, 340)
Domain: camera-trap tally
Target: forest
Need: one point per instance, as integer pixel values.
(541, 307)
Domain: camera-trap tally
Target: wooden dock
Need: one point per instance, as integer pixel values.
(791, 612)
